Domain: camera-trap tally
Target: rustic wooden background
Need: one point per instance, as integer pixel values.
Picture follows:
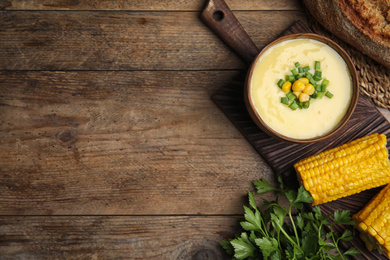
(110, 146)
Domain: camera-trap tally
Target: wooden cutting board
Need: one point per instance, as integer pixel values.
(280, 155)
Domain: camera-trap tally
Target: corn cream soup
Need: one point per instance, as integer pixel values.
(323, 114)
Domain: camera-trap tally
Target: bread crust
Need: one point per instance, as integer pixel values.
(364, 24)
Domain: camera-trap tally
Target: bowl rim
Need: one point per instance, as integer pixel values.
(354, 98)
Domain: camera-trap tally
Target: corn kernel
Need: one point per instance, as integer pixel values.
(309, 89)
(363, 226)
(371, 231)
(380, 239)
(303, 97)
(297, 93)
(298, 86)
(304, 80)
(286, 87)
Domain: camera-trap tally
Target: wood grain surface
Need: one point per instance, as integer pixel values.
(142, 5)
(120, 142)
(110, 144)
(97, 40)
(115, 237)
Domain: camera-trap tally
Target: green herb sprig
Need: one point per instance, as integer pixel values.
(277, 233)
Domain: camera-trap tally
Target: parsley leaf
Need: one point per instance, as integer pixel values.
(303, 196)
(267, 245)
(263, 186)
(346, 236)
(342, 217)
(252, 202)
(253, 221)
(243, 248)
(352, 251)
(273, 232)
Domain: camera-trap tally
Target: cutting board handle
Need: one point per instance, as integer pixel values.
(219, 18)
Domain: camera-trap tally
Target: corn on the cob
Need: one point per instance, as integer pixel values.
(373, 222)
(342, 171)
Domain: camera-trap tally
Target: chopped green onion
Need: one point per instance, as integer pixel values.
(294, 72)
(316, 78)
(320, 85)
(284, 100)
(290, 96)
(280, 83)
(329, 95)
(325, 82)
(320, 94)
(293, 106)
(317, 65)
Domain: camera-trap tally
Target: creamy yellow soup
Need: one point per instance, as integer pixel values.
(323, 114)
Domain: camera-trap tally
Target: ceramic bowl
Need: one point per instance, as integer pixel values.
(353, 101)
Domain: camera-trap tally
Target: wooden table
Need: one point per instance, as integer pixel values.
(110, 145)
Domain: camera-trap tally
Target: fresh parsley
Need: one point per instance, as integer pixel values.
(293, 232)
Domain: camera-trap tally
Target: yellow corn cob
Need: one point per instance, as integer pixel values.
(342, 171)
(373, 222)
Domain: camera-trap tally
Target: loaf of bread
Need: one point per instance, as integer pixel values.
(364, 24)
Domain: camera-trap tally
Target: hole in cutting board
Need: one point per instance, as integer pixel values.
(218, 15)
